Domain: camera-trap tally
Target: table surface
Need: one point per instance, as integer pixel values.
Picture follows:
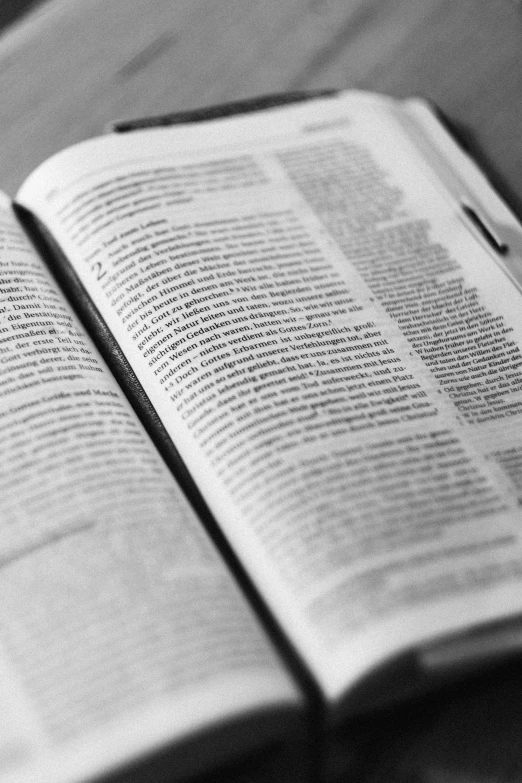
(72, 66)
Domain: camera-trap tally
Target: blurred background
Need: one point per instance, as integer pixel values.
(10, 10)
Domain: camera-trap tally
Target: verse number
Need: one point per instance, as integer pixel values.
(98, 270)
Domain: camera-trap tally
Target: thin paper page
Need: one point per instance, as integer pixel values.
(115, 605)
(331, 349)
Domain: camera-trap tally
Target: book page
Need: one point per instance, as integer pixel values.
(334, 351)
(120, 628)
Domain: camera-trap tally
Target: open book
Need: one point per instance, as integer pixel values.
(311, 317)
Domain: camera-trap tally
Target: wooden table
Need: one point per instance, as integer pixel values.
(73, 66)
